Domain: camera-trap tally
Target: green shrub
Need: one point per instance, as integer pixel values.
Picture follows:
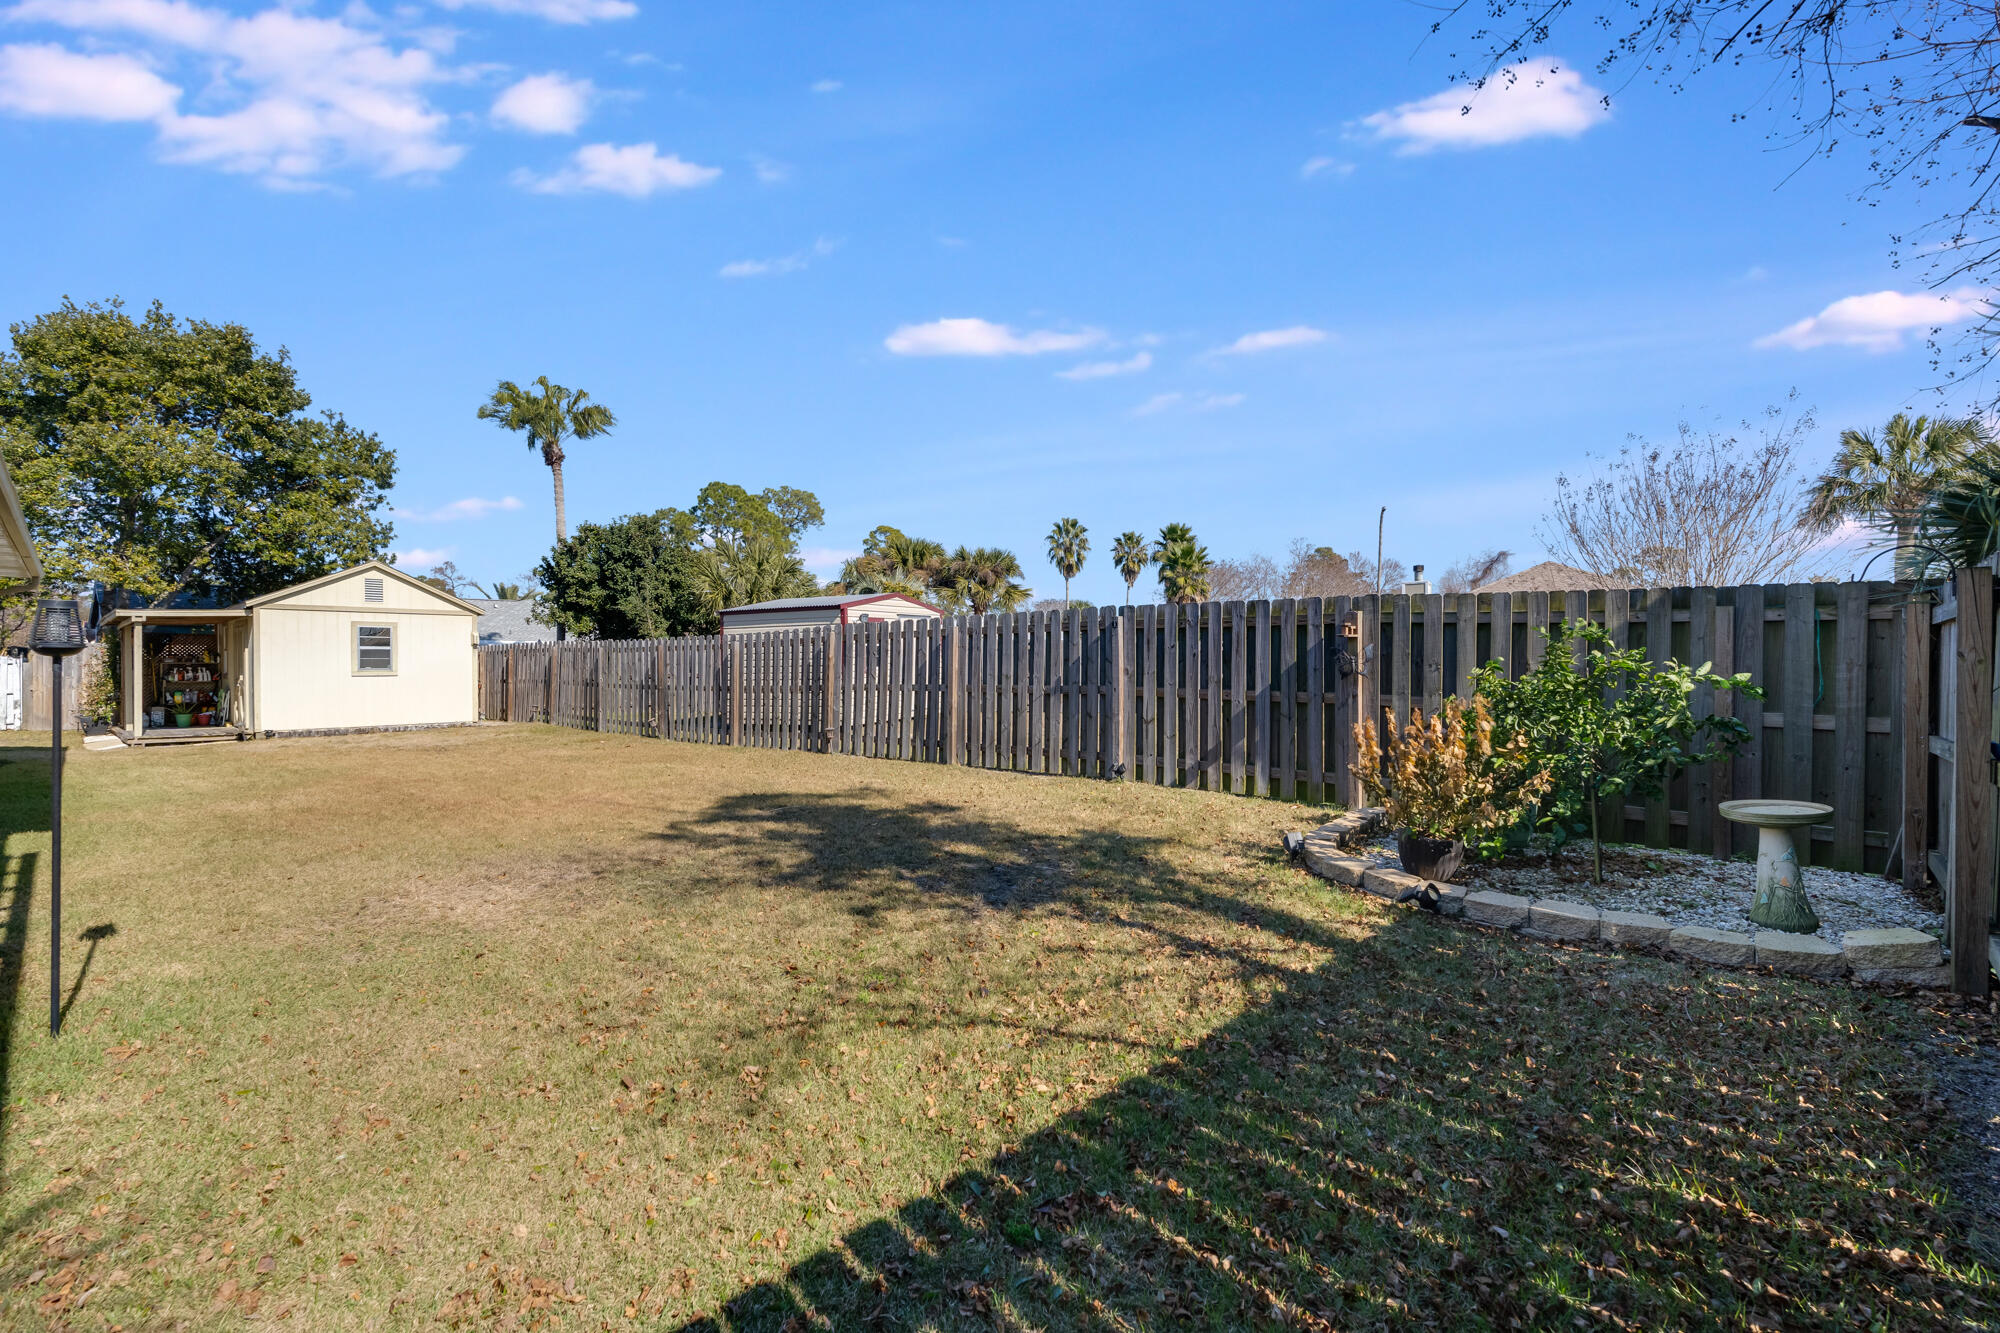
(1617, 729)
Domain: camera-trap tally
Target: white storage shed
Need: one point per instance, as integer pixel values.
(366, 649)
(795, 612)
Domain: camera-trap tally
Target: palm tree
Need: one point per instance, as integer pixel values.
(549, 417)
(1184, 567)
(1886, 482)
(1131, 556)
(1170, 535)
(1068, 545)
(1960, 525)
(737, 573)
(984, 578)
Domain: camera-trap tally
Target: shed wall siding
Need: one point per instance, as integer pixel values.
(764, 620)
(304, 665)
(12, 565)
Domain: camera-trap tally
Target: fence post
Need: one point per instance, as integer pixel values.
(954, 678)
(1972, 860)
(828, 719)
(1121, 697)
(735, 650)
(1916, 696)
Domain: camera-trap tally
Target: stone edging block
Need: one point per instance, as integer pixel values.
(1505, 910)
(1386, 883)
(1554, 919)
(1898, 948)
(1807, 955)
(1728, 948)
(1637, 929)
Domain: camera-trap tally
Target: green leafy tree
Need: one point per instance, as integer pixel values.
(725, 512)
(1068, 545)
(758, 569)
(1131, 555)
(153, 456)
(631, 579)
(1885, 479)
(1184, 567)
(1616, 729)
(548, 415)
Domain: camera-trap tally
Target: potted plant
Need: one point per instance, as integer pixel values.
(1443, 781)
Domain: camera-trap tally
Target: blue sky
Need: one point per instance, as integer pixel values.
(965, 269)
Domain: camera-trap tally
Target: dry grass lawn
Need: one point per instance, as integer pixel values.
(514, 1027)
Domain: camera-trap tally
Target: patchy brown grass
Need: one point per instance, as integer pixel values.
(519, 1028)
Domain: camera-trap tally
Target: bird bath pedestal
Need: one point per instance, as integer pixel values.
(1780, 903)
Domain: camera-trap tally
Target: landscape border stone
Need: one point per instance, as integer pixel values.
(1895, 956)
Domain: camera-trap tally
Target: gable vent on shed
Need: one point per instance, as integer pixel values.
(371, 590)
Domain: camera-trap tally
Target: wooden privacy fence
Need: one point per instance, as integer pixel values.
(1950, 808)
(1259, 698)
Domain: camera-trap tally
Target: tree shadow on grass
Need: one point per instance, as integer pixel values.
(1421, 1124)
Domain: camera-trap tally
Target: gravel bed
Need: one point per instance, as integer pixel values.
(1689, 889)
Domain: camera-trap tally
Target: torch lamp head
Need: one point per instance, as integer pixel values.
(58, 627)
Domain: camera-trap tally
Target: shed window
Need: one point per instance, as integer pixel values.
(371, 590)
(374, 649)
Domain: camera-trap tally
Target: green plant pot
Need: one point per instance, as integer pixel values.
(183, 719)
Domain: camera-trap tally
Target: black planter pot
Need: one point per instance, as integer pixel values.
(1431, 858)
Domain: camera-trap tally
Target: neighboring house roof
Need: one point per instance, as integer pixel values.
(1549, 576)
(511, 621)
(831, 603)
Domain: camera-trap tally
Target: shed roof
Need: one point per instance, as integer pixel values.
(14, 534)
(1549, 576)
(187, 615)
(828, 603)
(373, 566)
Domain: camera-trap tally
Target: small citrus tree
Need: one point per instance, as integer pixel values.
(1618, 727)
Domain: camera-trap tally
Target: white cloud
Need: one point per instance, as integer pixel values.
(635, 171)
(1539, 97)
(769, 170)
(1097, 370)
(48, 80)
(791, 263)
(472, 506)
(979, 337)
(825, 561)
(545, 104)
(1207, 402)
(1877, 321)
(827, 86)
(283, 94)
(555, 11)
(1325, 166)
(1269, 340)
(423, 557)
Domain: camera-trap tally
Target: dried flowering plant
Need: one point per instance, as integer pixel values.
(1445, 776)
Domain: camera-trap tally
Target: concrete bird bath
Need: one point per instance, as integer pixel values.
(1780, 903)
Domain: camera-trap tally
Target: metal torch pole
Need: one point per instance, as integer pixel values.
(55, 847)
